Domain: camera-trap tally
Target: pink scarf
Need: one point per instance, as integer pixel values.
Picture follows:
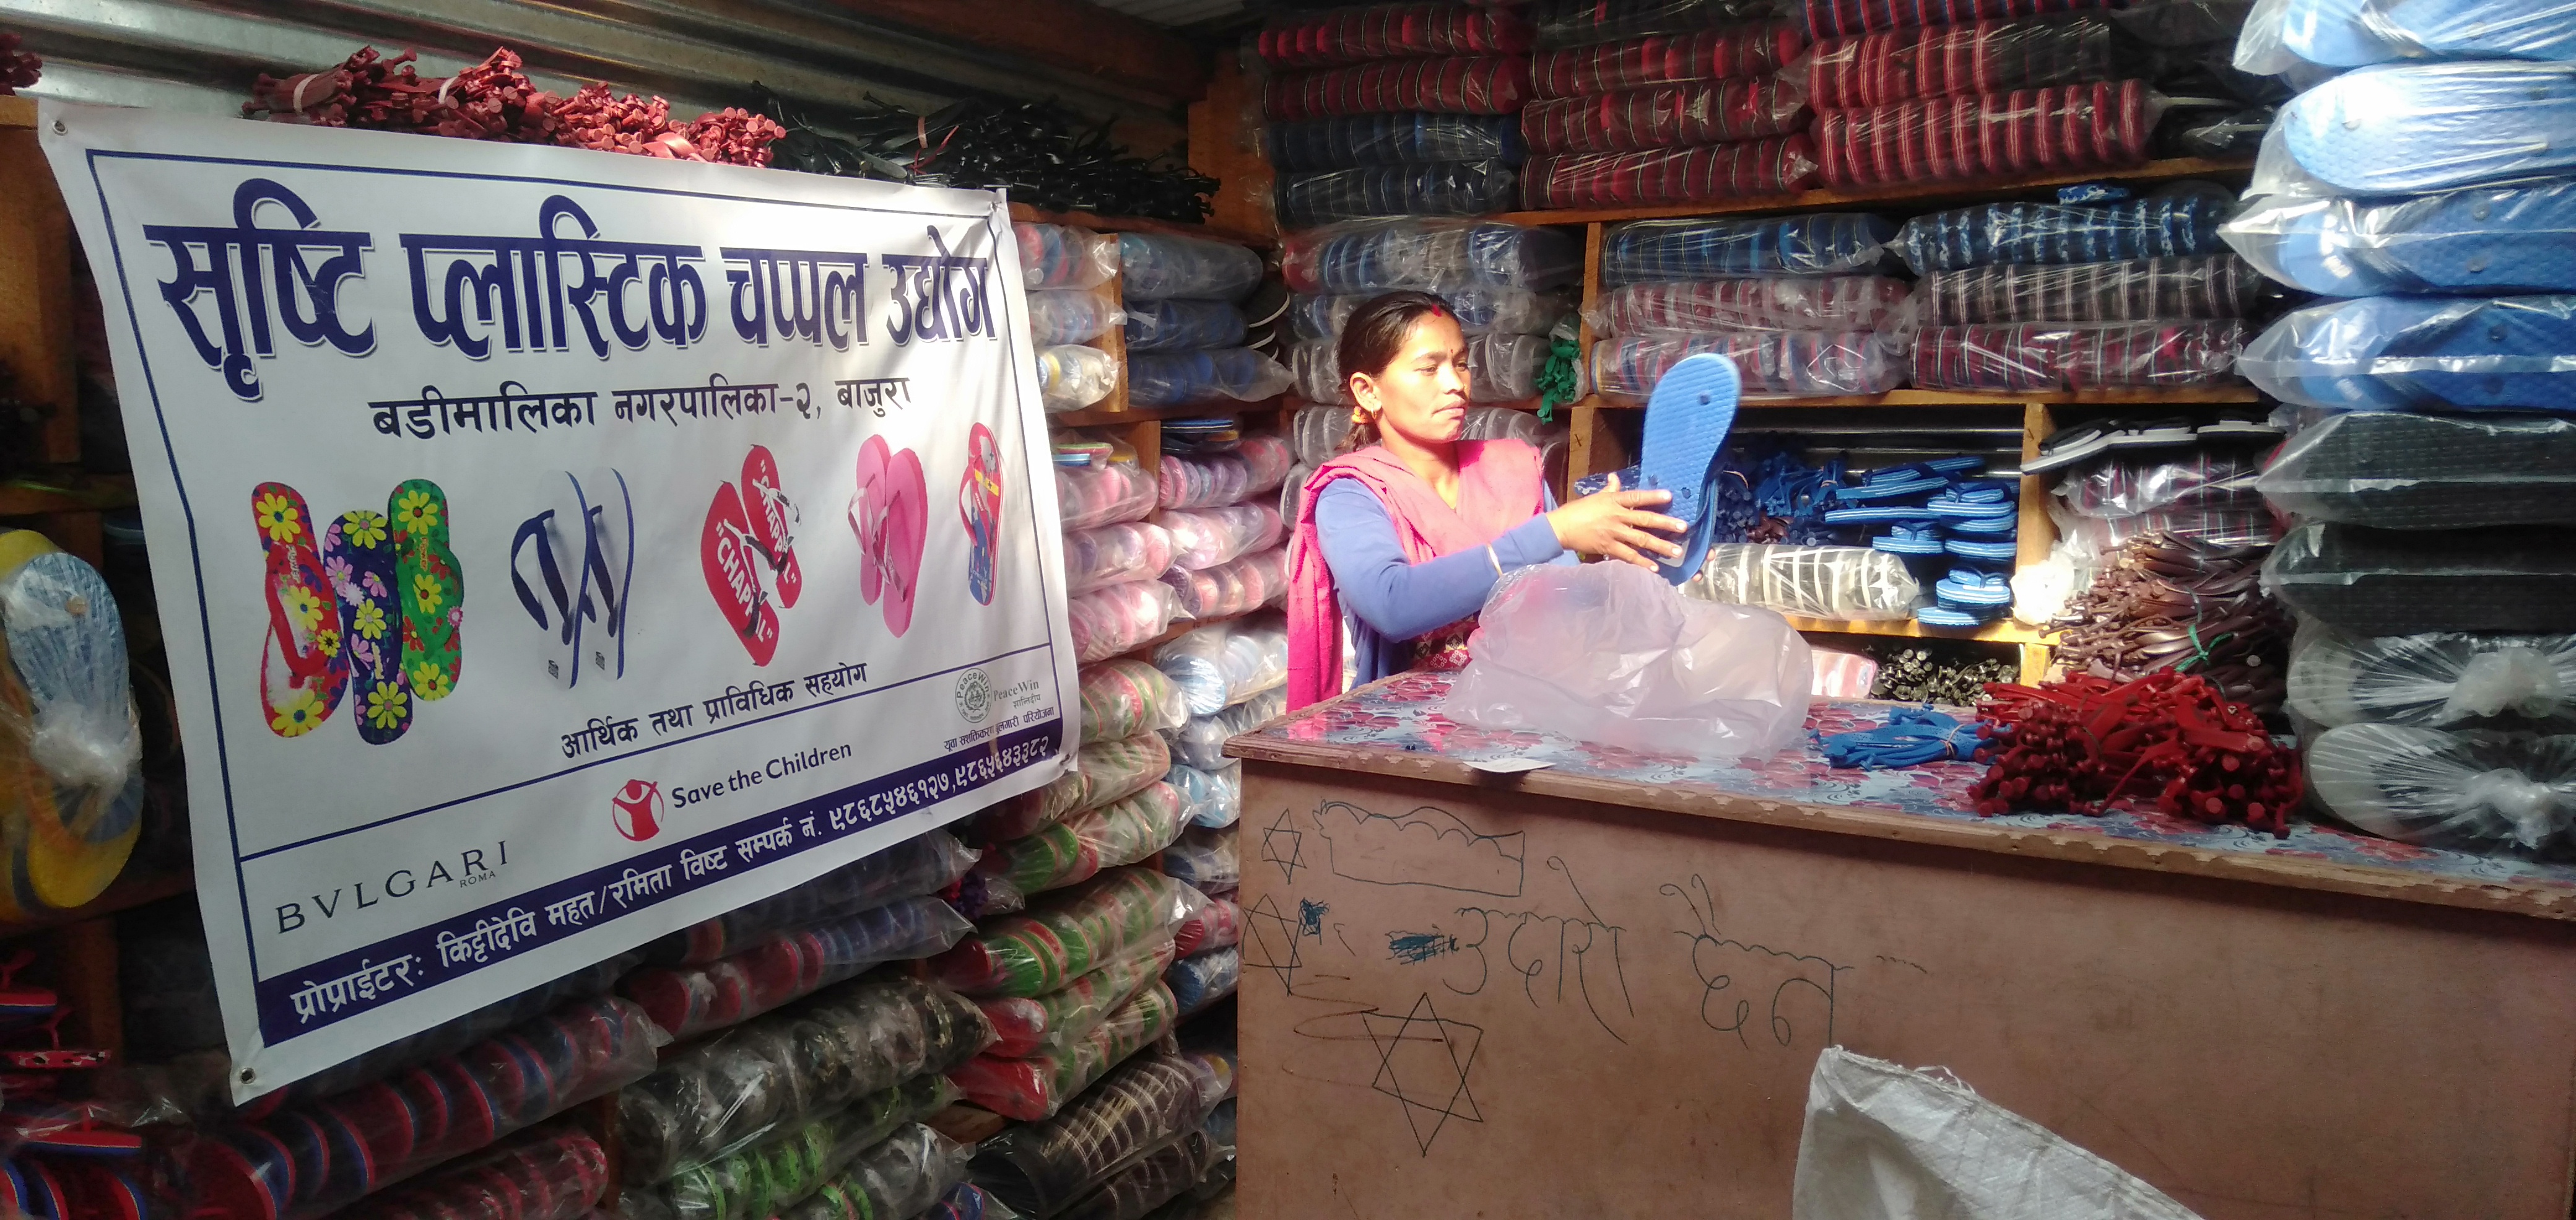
(1500, 485)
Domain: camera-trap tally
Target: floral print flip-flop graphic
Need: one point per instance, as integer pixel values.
(367, 606)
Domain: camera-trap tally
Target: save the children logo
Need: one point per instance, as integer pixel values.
(974, 696)
(637, 808)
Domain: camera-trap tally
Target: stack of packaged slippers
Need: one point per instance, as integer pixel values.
(1067, 271)
(1185, 335)
(1796, 302)
(1640, 104)
(1501, 282)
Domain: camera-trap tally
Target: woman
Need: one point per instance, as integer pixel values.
(1410, 527)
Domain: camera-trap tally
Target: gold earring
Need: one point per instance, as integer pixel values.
(1359, 418)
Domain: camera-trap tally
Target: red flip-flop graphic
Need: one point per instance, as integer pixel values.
(890, 513)
(732, 563)
(773, 522)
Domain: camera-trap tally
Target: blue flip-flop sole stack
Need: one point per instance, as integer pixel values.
(1956, 532)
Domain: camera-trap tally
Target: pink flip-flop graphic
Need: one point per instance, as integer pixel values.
(732, 562)
(890, 513)
(773, 522)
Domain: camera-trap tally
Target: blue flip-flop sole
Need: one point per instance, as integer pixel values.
(2520, 239)
(2388, 353)
(2468, 29)
(1688, 418)
(1943, 616)
(2332, 33)
(1888, 491)
(1992, 552)
(2405, 129)
(1906, 546)
(2004, 525)
(1880, 515)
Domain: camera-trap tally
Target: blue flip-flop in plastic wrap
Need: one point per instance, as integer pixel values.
(2405, 129)
(2357, 33)
(2478, 240)
(1687, 421)
(2401, 353)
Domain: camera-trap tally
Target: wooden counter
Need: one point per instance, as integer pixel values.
(1597, 989)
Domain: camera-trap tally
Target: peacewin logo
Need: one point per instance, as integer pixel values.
(974, 696)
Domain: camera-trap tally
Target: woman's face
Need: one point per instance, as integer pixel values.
(1422, 395)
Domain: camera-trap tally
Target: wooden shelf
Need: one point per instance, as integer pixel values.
(2198, 396)
(1912, 192)
(125, 893)
(1134, 224)
(2001, 631)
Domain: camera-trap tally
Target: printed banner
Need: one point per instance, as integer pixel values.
(558, 548)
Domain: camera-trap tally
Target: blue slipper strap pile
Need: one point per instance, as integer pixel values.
(1910, 738)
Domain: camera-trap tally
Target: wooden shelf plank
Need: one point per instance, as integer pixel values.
(2192, 396)
(2002, 631)
(1912, 193)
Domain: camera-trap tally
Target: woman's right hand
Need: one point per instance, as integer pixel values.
(1613, 523)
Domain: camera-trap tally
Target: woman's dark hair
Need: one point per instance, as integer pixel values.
(1373, 338)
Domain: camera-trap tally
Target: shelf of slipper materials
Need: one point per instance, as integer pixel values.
(1093, 417)
(1134, 224)
(1911, 193)
(82, 493)
(125, 893)
(2001, 631)
(2195, 395)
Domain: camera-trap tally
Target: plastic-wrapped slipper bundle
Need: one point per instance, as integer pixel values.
(544, 1174)
(1111, 554)
(1076, 849)
(1829, 18)
(690, 1000)
(1206, 480)
(1462, 188)
(2103, 125)
(2435, 681)
(1777, 363)
(1034, 1088)
(1829, 243)
(1235, 587)
(2399, 470)
(1665, 116)
(1154, 326)
(1060, 256)
(1068, 934)
(1072, 316)
(1831, 582)
(1318, 435)
(1206, 537)
(1216, 926)
(2408, 129)
(68, 735)
(1951, 61)
(1177, 379)
(1209, 798)
(2055, 356)
(2192, 478)
(791, 1165)
(1030, 1025)
(1206, 859)
(1391, 31)
(2401, 582)
(1163, 267)
(1109, 621)
(2212, 286)
(2422, 353)
(2472, 790)
(1103, 771)
(2482, 240)
(308, 1160)
(1201, 742)
(1788, 303)
(1071, 377)
(1149, 1100)
(1576, 23)
(904, 1176)
(1480, 309)
(1483, 84)
(1713, 54)
(1133, 1193)
(967, 1201)
(1374, 256)
(1392, 139)
(2178, 221)
(1776, 166)
(2087, 539)
(1095, 495)
(923, 865)
(1197, 982)
(1223, 664)
(1125, 697)
(880, 1035)
(1500, 368)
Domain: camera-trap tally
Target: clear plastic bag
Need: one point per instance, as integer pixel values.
(1774, 166)
(1367, 257)
(2062, 356)
(1710, 54)
(1206, 859)
(66, 648)
(798, 1161)
(1120, 618)
(2400, 470)
(1828, 243)
(1238, 586)
(2103, 125)
(1479, 308)
(1061, 256)
(1489, 84)
(1179, 379)
(1071, 377)
(904, 1176)
(1077, 315)
(1032, 1025)
(2439, 680)
(1664, 116)
(1034, 1088)
(1206, 480)
(1067, 934)
(1392, 139)
(2208, 287)
(1206, 537)
(1097, 495)
(1165, 266)
(2178, 221)
(690, 1000)
(1197, 982)
(1223, 664)
(1156, 326)
(1042, 1168)
(1797, 364)
(1110, 554)
(924, 865)
(2093, 541)
(1216, 926)
(2422, 353)
(2482, 240)
(2125, 487)
(1212, 797)
(544, 1174)
(1880, 69)
(1609, 653)
(1201, 742)
(872, 1042)
(1125, 697)
(1076, 849)
(2406, 129)
(2519, 579)
(1832, 582)
(1390, 31)
(2472, 791)
(1788, 303)
(1452, 188)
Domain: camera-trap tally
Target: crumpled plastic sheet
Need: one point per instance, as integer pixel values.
(1207, 859)
(1829, 582)
(1206, 537)
(1103, 771)
(1200, 981)
(2126, 486)
(1034, 1088)
(906, 1175)
(1177, 379)
(1101, 494)
(2411, 128)
(796, 1162)
(1213, 797)
(1237, 586)
(1204, 480)
(1075, 849)
(1076, 315)
(2476, 241)
(1216, 926)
